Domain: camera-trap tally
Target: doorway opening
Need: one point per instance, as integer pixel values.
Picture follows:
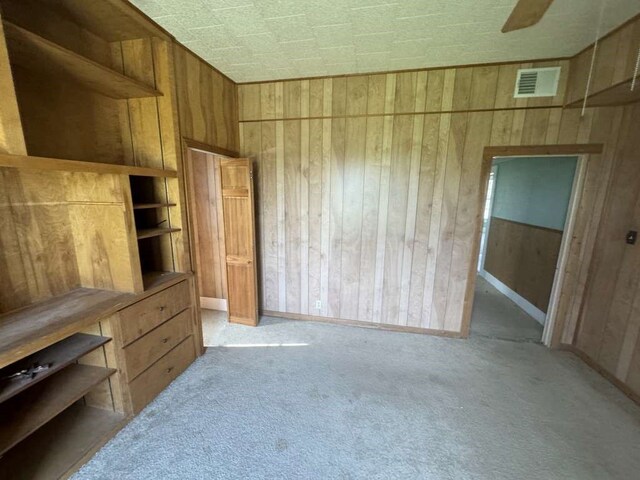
(527, 217)
(207, 238)
(220, 202)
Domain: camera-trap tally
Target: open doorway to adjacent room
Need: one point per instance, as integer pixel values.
(526, 218)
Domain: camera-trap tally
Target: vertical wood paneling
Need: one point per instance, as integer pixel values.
(280, 204)
(269, 211)
(336, 212)
(291, 196)
(352, 204)
(370, 202)
(304, 207)
(373, 213)
(315, 214)
(424, 209)
(372, 209)
(208, 102)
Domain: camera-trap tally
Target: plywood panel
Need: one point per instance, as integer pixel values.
(208, 230)
(614, 65)
(207, 102)
(524, 258)
(395, 190)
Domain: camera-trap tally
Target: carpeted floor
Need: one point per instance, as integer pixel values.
(495, 316)
(295, 400)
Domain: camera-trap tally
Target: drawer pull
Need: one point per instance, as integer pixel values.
(169, 369)
(162, 308)
(165, 339)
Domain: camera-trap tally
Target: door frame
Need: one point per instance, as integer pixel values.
(190, 144)
(553, 325)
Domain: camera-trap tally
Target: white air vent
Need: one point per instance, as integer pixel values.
(537, 82)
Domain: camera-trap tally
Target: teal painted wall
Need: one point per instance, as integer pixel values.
(534, 190)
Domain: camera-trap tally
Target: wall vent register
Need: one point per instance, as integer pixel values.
(537, 82)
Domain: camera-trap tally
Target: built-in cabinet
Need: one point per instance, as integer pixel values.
(97, 298)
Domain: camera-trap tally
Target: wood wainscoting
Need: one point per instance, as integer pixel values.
(524, 258)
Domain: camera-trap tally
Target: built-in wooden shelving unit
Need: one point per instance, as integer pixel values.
(55, 357)
(154, 232)
(112, 20)
(56, 164)
(28, 411)
(92, 222)
(39, 54)
(33, 328)
(62, 444)
(144, 206)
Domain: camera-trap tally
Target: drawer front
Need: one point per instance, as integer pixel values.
(152, 346)
(156, 378)
(147, 314)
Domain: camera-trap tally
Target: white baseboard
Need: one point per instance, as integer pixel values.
(522, 302)
(213, 303)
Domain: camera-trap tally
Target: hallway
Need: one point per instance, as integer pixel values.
(495, 316)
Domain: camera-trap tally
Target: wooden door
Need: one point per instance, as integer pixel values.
(236, 178)
(205, 204)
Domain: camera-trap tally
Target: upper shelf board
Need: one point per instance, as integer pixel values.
(33, 52)
(44, 163)
(113, 20)
(35, 327)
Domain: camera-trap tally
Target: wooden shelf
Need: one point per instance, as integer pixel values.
(58, 355)
(619, 94)
(113, 20)
(43, 163)
(155, 232)
(62, 445)
(25, 331)
(35, 53)
(30, 329)
(25, 413)
(143, 206)
(152, 280)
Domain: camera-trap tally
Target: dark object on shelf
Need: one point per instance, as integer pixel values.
(29, 372)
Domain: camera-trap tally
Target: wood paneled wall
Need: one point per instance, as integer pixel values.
(609, 330)
(613, 68)
(208, 224)
(369, 188)
(207, 102)
(54, 228)
(524, 258)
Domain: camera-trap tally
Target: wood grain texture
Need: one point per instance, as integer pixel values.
(34, 52)
(11, 136)
(236, 179)
(398, 161)
(208, 227)
(614, 66)
(608, 323)
(524, 258)
(207, 102)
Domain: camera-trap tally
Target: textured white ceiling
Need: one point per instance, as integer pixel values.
(252, 40)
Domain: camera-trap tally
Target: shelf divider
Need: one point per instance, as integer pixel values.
(58, 356)
(144, 206)
(76, 434)
(155, 232)
(25, 413)
(34, 52)
(44, 163)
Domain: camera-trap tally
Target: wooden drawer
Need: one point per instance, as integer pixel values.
(152, 346)
(156, 378)
(147, 314)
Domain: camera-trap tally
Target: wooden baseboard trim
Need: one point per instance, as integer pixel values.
(616, 382)
(359, 323)
(213, 303)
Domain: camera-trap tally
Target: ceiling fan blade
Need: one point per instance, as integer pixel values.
(525, 14)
